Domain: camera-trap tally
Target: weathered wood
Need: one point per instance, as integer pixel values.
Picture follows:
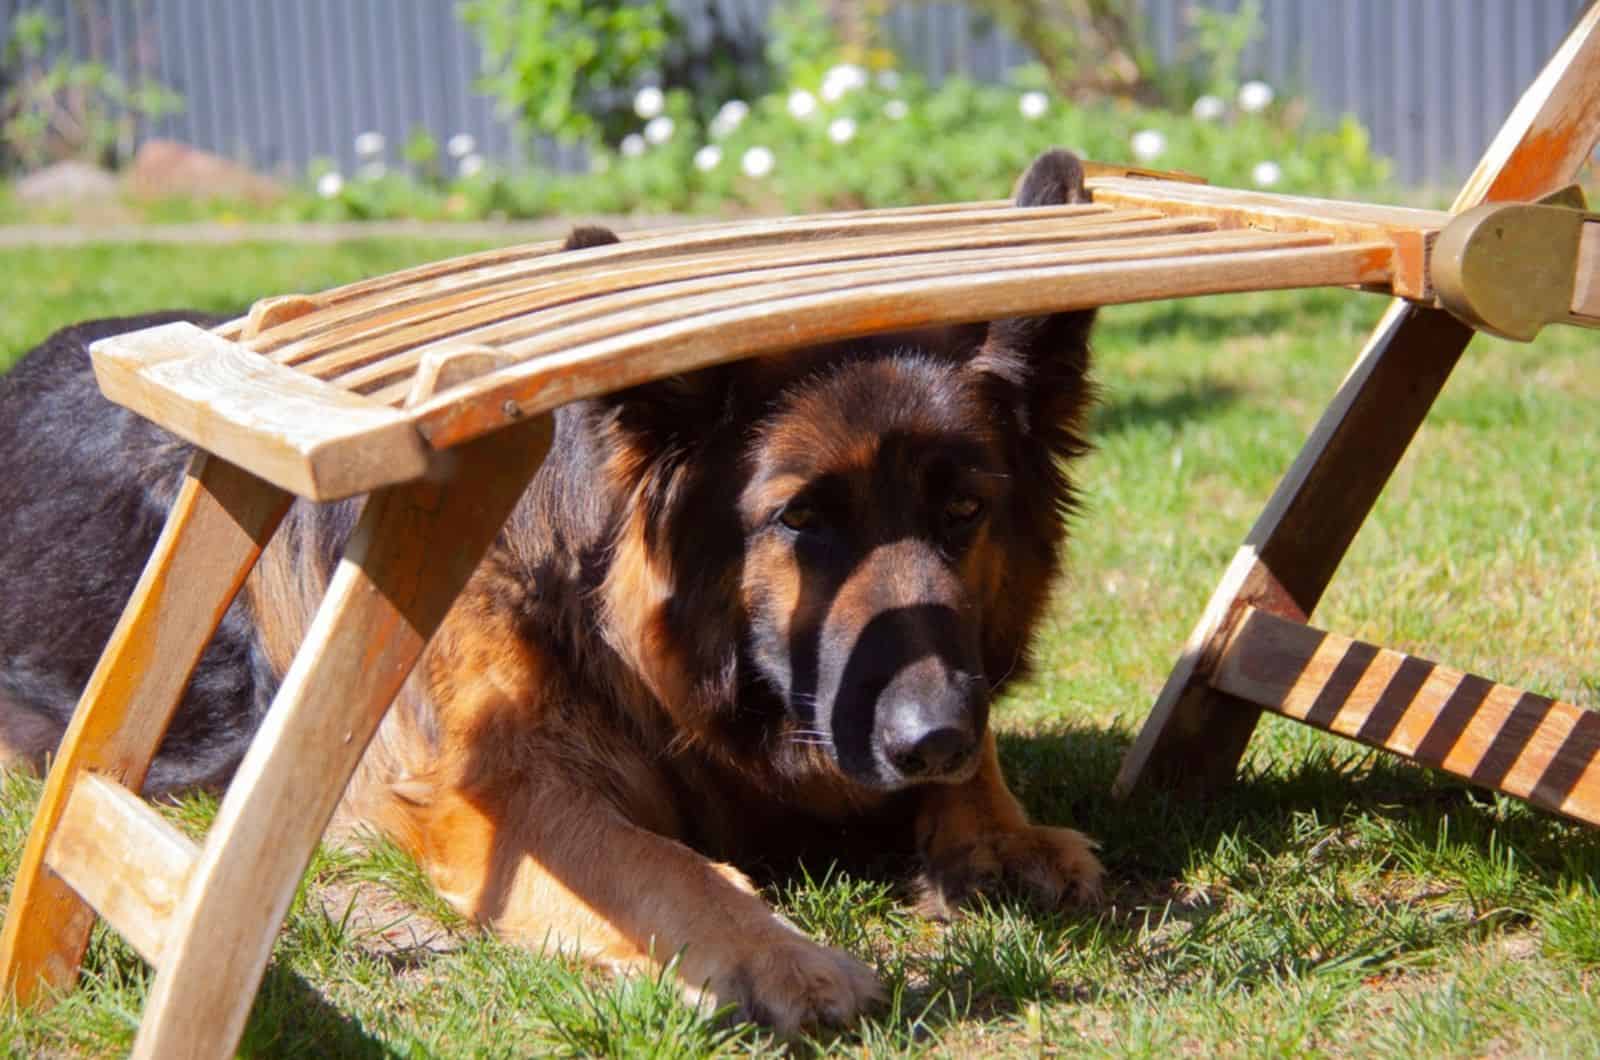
(1410, 231)
(539, 259)
(425, 312)
(1503, 738)
(714, 334)
(124, 859)
(219, 523)
(1195, 735)
(283, 426)
(567, 325)
(440, 369)
(411, 553)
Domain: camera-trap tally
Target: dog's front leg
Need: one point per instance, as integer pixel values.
(546, 862)
(975, 837)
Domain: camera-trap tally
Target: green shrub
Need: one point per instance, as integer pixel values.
(891, 141)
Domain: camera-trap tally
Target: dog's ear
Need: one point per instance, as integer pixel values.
(585, 236)
(1035, 368)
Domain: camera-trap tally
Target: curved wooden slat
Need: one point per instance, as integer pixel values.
(720, 334)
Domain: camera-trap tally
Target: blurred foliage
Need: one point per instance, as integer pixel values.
(1087, 47)
(569, 68)
(58, 108)
(959, 140)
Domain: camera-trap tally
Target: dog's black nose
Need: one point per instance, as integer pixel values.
(933, 752)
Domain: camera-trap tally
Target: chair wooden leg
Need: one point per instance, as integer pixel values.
(412, 553)
(1196, 734)
(219, 523)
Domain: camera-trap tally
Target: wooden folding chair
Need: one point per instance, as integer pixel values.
(430, 389)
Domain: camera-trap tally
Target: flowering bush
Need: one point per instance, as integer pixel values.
(859, 138)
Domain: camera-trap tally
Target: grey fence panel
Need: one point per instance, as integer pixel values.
(279, 83)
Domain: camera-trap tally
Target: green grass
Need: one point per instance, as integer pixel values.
(1332, 901)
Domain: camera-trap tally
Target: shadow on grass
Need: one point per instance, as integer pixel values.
(1064, 776)
(1193, 400)
(291, 1018)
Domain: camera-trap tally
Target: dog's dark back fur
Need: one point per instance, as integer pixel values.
(82, 501)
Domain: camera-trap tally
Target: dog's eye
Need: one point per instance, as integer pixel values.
(800, 517)
(962, 510)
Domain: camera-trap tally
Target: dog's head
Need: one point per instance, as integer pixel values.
(836, 557)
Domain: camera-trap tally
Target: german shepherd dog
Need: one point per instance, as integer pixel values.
(745, 615)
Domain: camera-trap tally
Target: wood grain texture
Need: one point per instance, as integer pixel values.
(714, 333)
(1410, 231)
(1503, 738)
(344, 303)
(412, 552)
(1306, 527)
(312, 439)
(564, 327)
(124, 859)
(219, 523)
(426, 312)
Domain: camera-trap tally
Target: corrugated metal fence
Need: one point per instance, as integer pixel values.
(280, 82)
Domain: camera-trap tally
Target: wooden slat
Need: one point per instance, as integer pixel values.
(413, 550)
(509, 255)
(124, 859)
(494, 294)
(718, 334)
(1411, 231)
(340, 302)
(299, 433)
(219, 523)
(567, 326)
(1503, 738)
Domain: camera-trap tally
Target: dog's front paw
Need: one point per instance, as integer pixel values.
(1048, 866)
(789, 983)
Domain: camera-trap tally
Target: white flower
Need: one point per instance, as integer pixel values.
(632, 145)
(895, 109)
(888, 80)
(1208, 108)
(1033, 105)
(708, 158)
(460, 145)
(470, 166)
(373, 171)
(802, 104)
(842, 130)
(658, 130)
(648, 101)
(1254, 96)
(729, 116)
(329, 185)
(842, 80)
(369, 144)
(1148, 144)
(1266, 174)
(758, 162)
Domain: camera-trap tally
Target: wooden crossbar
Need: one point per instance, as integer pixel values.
(1503, 738)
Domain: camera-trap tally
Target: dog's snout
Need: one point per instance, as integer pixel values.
(931, 719)
(931, 753)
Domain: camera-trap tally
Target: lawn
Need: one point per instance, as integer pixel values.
(1332, 901)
